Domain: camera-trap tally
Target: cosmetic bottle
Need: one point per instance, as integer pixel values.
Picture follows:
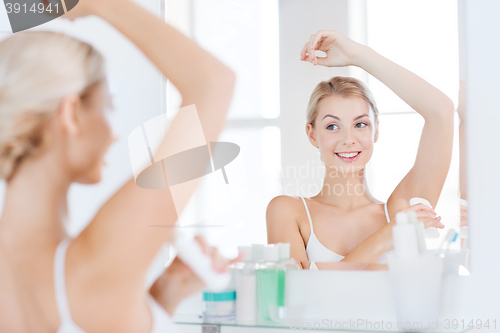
(419, 229)
(246, 288)
(284, 257)
(415, 278)
(285, 264)
(270, 279)
(431, 232)
(404, 236)
(219, 307)
(257, 253)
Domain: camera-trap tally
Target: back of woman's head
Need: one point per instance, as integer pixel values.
(339, 86)
(37, 70)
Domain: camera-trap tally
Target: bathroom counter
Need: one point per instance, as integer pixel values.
(340, 301)
(194, 324)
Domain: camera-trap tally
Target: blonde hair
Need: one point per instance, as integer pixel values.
(37, 70)
(338, 86)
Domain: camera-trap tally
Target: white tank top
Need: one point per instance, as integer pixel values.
(161, 319)
(317, 252)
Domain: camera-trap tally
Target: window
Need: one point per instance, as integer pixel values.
(244, 35)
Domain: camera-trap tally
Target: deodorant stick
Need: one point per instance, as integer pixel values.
(191, 253)
(431, 232)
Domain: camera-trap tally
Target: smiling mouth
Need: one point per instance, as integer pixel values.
(348, 155)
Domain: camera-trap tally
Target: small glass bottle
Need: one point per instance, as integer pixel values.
(257, 253)
(284, 256)
(269, 279)
(285, 264)
(246, 288)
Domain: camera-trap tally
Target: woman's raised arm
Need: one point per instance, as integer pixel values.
(120, 240)
(426, 178)
(428, 174)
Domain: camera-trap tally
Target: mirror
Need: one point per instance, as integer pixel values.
(261, 41)
(394, 30)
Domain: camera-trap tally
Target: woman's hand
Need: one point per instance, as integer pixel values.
(175, 284)
(426, 215)
(340, 50)
(179, 281)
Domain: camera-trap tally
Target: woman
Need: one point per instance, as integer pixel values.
(53, 132)
(342, 122)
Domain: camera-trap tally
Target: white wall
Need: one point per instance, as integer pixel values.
(297, 81)
(482, 74)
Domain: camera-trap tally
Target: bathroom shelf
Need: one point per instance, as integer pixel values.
(350, 294)
(197, 320)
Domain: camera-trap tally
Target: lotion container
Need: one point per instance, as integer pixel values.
(415, 278)
(246, 288)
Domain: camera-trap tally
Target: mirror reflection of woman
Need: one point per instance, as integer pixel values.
(344, 222)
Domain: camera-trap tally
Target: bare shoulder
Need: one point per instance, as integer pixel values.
(284, 204)
(284, 209)
(284, 218)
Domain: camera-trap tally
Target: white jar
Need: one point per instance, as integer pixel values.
(219, 307)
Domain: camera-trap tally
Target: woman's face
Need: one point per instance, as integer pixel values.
(95, 135)
(345, 131)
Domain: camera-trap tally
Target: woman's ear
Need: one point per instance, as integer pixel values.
(68, 111)
(376, 132)
(311, 135)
